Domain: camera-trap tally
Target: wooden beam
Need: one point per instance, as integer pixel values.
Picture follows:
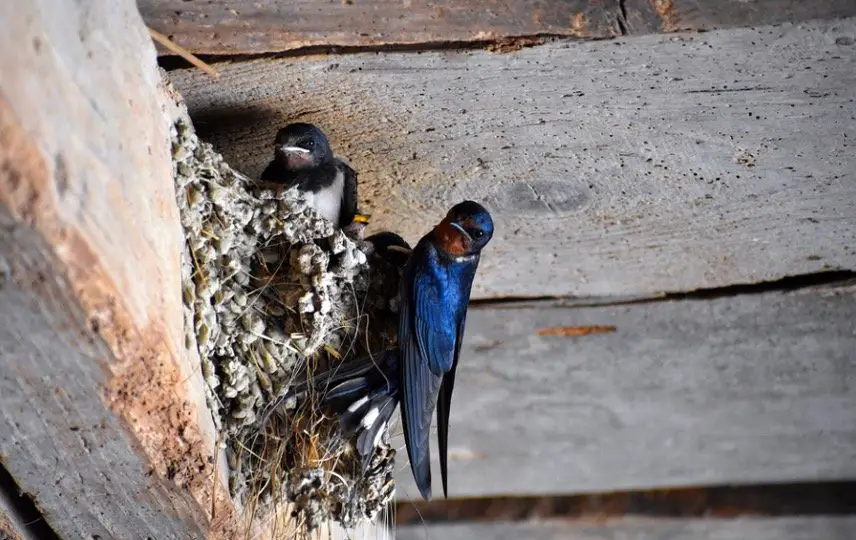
(62, 444)
(250, 27)
(103, 419)
(785, 528)
(618, 169)
(734, 390)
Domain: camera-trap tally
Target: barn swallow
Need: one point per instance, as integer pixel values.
(390, 247)
(362, 393)
(434, 294)
(302, 157)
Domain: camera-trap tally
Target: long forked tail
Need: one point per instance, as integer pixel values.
(363, 393)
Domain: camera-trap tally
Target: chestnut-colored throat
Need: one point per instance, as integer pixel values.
(451, 240)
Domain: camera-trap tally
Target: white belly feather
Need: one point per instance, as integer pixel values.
(328, 201)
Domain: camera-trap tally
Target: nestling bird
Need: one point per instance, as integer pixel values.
(303, 157)
(390, 247)
(387, 254)
(434, 294)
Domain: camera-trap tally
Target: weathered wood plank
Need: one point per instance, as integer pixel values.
(695, 15)
(102, 416)
(786, 528)
(61, 442)
(254, 27)
(745, 389)
(248, 26)
(654, 164)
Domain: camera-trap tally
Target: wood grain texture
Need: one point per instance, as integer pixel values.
(102, 414)
(793, 528)
(61, 442)
(745, 389)
(630, 168)
(258, 27)
(249, 26)
(693, 14)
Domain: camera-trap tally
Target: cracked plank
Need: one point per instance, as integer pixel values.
(735, 390)
(247, 26)
(221, 27)
(632, 168)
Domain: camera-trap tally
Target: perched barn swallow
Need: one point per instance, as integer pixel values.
(363, 393)
(303, 157)
(434, 294)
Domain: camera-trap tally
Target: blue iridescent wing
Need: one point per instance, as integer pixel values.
(419, 387)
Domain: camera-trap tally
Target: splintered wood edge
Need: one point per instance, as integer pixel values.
(247, 27)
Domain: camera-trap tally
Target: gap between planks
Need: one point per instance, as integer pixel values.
(19, 514)
(726, 501)
(832, 278)
(504, 45)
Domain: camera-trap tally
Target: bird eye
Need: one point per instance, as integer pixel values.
(309, 145)
(478, 233)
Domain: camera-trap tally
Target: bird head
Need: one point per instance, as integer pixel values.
(301, 146)
(466, 229)
(390, 247)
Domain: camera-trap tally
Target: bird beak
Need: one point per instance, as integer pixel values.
(460, 228)
(294, 156)
(293, 150)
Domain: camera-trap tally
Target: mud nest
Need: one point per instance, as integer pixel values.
(272, 294)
